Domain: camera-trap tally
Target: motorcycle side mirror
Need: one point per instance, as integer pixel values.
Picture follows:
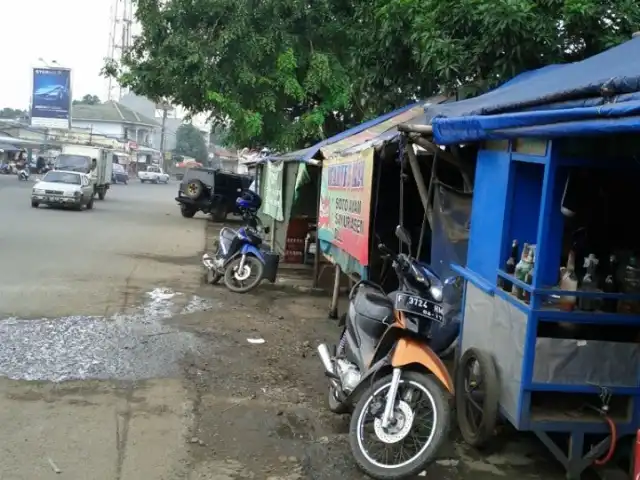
(403, 235)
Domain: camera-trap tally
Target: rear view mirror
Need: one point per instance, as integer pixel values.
(267, 229)
(403, 235)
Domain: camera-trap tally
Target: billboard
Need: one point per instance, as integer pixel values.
(51, 97)
(345, 200)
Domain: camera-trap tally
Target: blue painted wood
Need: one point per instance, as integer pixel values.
(489, 201)
(518, 196)
(484, 285)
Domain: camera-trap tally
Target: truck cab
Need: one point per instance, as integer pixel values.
(80, 158)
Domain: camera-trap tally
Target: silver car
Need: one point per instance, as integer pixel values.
(63, 189)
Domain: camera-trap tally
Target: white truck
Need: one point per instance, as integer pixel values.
(153, 174)
(80, 158)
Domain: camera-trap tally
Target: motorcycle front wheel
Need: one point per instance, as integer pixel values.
(243, 280)
(419, 428)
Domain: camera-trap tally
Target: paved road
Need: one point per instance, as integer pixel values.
(66, 266)
(69, 262)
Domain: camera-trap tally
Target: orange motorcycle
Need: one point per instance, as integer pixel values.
(385, 373)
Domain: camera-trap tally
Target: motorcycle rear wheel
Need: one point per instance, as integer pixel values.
(438, 400)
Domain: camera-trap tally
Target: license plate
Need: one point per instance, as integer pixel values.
(419, 306)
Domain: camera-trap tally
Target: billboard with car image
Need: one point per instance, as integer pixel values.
(51, 97)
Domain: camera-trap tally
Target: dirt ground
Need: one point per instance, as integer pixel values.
(260, 409)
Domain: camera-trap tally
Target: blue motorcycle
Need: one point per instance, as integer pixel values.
(241, 258)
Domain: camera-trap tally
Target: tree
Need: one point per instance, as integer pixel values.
(190, 143)
(285, 74)
(12, 113)
(88, 100)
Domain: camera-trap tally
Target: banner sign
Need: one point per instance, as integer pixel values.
(273, 191)
(345, 203)
(51, 98)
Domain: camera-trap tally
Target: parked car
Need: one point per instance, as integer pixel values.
(63, 189)
(120, 175)
(211, 191)
(153, 174)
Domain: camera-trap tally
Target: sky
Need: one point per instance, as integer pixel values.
(74, 33)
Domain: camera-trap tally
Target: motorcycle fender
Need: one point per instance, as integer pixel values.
(248, 249)
(409, 351)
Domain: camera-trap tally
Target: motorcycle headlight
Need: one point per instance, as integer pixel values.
(436, 292)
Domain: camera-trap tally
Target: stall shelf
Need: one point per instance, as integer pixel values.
(548, 383)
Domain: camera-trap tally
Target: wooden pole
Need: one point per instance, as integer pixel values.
(316, 258)
(333, 311)
(417, 175)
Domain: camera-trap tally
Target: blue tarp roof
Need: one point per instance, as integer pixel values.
(599, 95)
(307, 154)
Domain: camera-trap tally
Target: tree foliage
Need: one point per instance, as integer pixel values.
(190, 143)
(286, 73)
(88, 100)
(12, 113)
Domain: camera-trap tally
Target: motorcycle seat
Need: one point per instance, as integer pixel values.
(373, 304)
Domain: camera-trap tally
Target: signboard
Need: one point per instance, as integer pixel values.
(345, 203)
(273, 190)
(51, 98)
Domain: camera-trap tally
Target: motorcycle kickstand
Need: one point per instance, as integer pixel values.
(391, 397)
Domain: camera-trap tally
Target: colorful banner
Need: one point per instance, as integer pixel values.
(345, 203)
(273, 191)
(51, 98)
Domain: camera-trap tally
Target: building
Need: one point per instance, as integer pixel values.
(115, 120)
(146, 107)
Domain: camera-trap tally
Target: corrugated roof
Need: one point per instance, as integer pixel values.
(110, 112)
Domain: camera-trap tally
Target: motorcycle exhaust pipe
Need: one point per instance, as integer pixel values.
(325, 358)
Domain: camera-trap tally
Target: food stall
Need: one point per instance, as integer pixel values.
(550, 339)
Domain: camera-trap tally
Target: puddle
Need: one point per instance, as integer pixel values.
(133, 346)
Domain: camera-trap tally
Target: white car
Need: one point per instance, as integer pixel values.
(64, 189)
(153, 175)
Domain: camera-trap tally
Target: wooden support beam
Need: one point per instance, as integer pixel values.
(447, 156)
(414, 128)
(417, 174)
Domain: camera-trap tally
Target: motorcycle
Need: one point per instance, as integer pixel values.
(23, 174)
(384, 371)
(241, 254)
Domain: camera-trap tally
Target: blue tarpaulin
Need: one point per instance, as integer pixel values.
(599, 95)
(307, 154)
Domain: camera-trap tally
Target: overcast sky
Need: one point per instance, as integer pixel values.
(75, 33)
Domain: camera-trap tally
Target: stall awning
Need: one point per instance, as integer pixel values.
(382, 133)
(385, 127)
(305, 155)
(598, 95)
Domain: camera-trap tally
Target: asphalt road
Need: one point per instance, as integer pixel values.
(76, 304)
(67, 262)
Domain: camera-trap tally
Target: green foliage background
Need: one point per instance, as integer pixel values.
(287, 73)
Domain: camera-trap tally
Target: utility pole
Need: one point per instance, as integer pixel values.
(163, 130)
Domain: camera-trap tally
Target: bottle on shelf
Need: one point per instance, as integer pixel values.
(568, 282)
(521, 270)
(630, 284)
(528, 278)
(510, 266)
(610, 285)
(589, 284)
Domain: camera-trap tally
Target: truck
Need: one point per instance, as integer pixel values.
(80, 158)
(153, 174)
